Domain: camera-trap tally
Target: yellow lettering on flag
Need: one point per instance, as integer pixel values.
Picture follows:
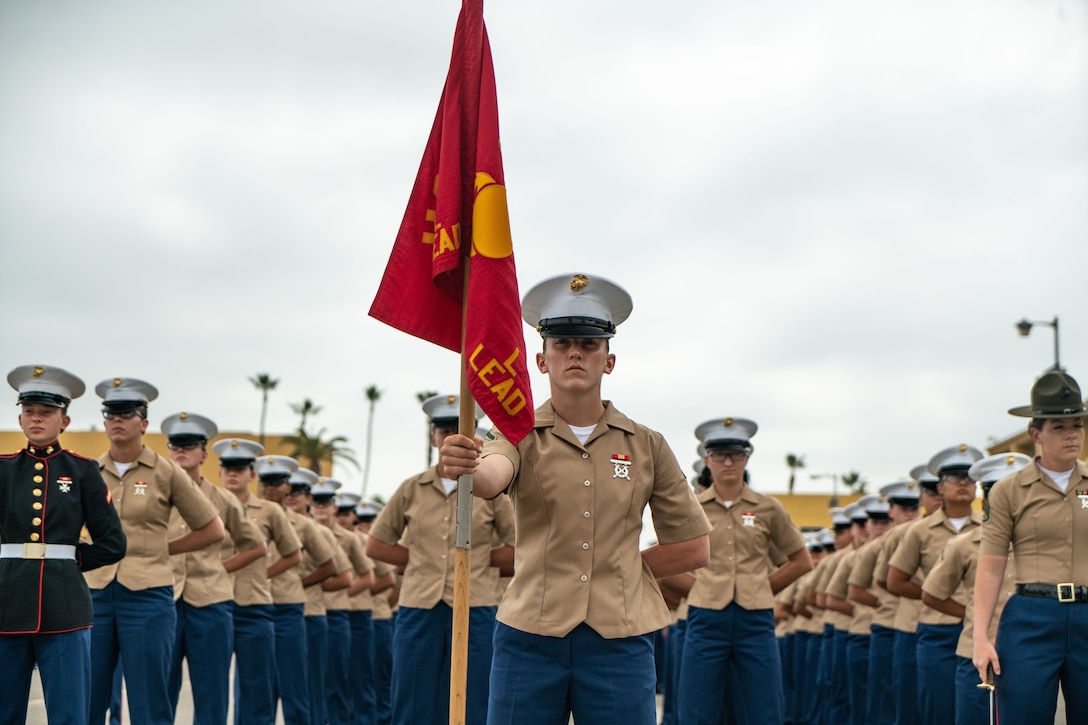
(446, 242)
(498, 377)
(428, 236)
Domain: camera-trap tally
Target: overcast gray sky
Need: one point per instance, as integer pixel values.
(830, 213)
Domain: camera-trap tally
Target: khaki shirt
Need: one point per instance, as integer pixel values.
(1048, 529)
(199, 576)
(815, 623)
(824, 571)
(354, 545)
(861, 575)
(382, 609)
(287, 589)
(363, 601)
(251, 585)
(839, 587)
(920, 549)
(785, 598)
(907, 610)
(320, 599)
(421, 517)
(954, 575)
(378, 604)
(579, 521)
(144, 497)
(741, 537)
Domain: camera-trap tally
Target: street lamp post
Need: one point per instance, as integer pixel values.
(834, 486)
(1024, 328)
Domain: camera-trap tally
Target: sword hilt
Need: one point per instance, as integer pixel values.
(989, 683)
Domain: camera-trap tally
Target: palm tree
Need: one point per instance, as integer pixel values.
(305, 409)
(794, 462)
(373, 394)
(316, 449)
(264, 382)
(854, 482)
(422, 396)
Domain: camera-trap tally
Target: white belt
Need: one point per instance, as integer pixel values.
(37, 551)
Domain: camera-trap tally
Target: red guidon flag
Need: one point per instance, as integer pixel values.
(458, 209)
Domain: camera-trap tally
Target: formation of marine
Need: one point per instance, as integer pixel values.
(897, 621)
(132, 568)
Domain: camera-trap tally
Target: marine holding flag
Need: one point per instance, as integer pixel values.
(575, 629)
(459, 194)
(431, 290)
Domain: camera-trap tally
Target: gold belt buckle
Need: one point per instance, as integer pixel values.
(33, 550)
(1067, 593)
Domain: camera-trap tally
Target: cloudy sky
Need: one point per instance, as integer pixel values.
(830, 213)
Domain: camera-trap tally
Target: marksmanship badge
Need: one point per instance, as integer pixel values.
(64, 483)
(621, 465)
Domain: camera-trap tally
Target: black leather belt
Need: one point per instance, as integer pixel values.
(1062, 592)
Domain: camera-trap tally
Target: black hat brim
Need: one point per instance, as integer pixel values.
(576, 327)
(42, 398)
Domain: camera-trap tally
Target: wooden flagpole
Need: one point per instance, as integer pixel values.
(463, 544)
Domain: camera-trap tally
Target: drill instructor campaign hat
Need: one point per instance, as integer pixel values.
(1055, 395)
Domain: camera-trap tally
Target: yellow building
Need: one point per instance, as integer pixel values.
(809, 511)
(1020, 442)
(93, 443)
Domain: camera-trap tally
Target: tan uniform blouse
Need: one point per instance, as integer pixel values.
(1048, 529)
(341, 540)
(920, 549)
(199, 576)
(143, 497)
(907, 610)
(423, 518)
(741, 537)
(251, 584)
(316, 550)
(824, 571)
(579, 521)
(785, 598)
(361, 602)
(839, 587)
(815, 623)
(862, 576)
(382, 608)
(954, 576)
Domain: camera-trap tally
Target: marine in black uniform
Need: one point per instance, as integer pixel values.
(47, 496)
